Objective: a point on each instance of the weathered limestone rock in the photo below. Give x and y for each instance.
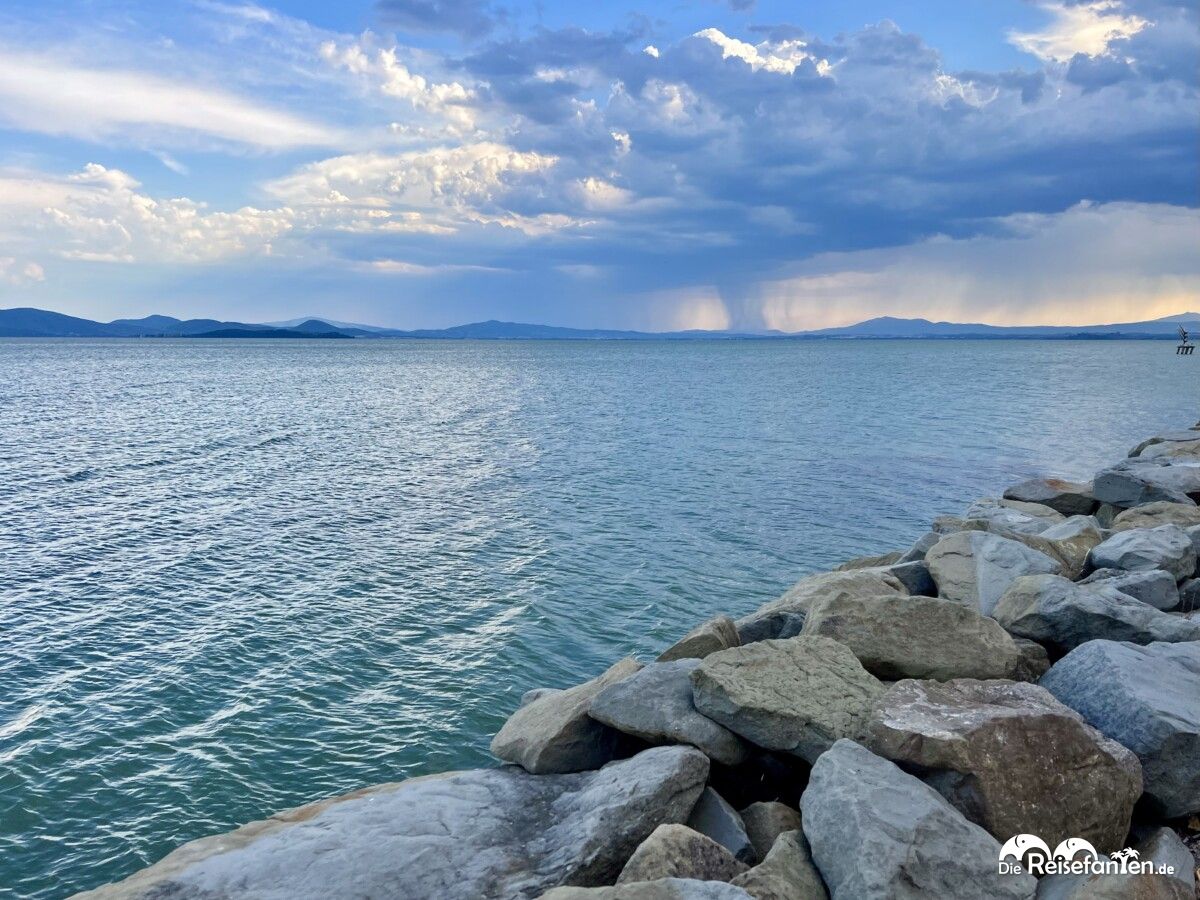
(716, 819)
(1011, 758)
(1070, 498)
(1060, 613)
(676, 851)
(1148, 699)
(1156, 588)
(878, 833)
(554, 733)
(975, 567)
(1112, 887)
(656, 705)
(663, 889)
(798, 695)
(786, 873)
(858, 583)
(766, 821)
(486, 833)
(1151, 515)
(1136, 482)
(916, 637)
(1166, 547)
(1035, 661)
(718, 633)
(770, 626)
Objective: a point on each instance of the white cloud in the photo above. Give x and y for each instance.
(19, 273)
(47, 94)
(780, 57)
(650, 50)
(1077, 28)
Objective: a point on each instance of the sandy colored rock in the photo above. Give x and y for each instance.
(676, 851)
(767, 820)
(787, 872)
(1152, 515)
(855, 583)
(718, 633)
(1070, 498)
(976, 567)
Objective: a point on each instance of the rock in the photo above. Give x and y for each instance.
(858, 583)
(716, 819)
(1165, 547)
(917, 551)
(1069, 543)
(1011, 758)
(1152, 515)
(1013, 515)
(770, 626)
(798, 695)
(1071, 498)
(460, 836)
(915, 577)
(1156, 588)
(663, 889)
(676, 851)
(1148, 699)
(766, 775)
(878, 833)
(1163, 847)
(1112, 887)
(1189, 596)
(1137, 482)
(916, 637)
(536, 694)
(1035, 661)
(870, 562)
(975, 567)
(718, 633)
(554, 733)
(1056, 612)
(1106, 513)
(787, 872)
(1167, 437)
(656, 705)
(765, 822)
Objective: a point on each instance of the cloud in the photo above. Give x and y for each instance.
(1078, 28)
(46, 94)
(466, 18)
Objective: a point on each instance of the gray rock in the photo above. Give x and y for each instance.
(676, 851)
(1148, 699)
(1181, 436)
(1156, 588)
(767, 820)
(1035, 661)
(1189, 597)
(1166, 547)
(663, 889)
(1013, 515)
(715, 818)
(1070, 543)
(915, 577)
(1106, 514)
(923, 545)
(975, 567)
(870, 562)
(1112, 887)
(798, 695)
(718, 633)
(554, 733)
(1056, 612)
(857, 583)
(487, 833)
(1070, 498)
(1137, 482)
(878, 833)
(656, 705)
(770, 626)
(1163, 847)
(916, 637)
(787, 872)
(1011, 758)
(536, 694)
(1151, 515)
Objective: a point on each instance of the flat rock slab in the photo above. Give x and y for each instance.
(663, 889)
(1166, 547)
(916, 637)
(1156, 588)
(798, 695)
(787, 872)
(1070, 498)
(975, 567)
(718, 633)
(1060, 613)
(676, 851)
(765, 821)
(1148, 699)
(554, 734)
(1011, 758)
(656, 705)
(485, 833)
(878, 833)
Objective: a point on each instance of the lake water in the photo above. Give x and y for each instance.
(236, 576)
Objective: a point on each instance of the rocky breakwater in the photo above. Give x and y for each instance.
(1020, 685)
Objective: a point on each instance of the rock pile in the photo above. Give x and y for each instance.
(1019, 686)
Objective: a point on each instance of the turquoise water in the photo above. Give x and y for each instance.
(238, 576)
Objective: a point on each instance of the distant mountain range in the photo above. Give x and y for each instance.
(28, 322)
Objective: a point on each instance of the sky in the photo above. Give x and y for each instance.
(713, 164)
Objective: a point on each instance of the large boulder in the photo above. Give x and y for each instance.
(1070, 498)
(555, 734)
(656, 705)
(1151, 515)
(770, 626)
(798, 695)
(976, 567)
(767, 820)
(855, 583)
(1148, 699)
(1166, 547)
(1135, 482)
(1113, 887)
(1156, 587)
(916, 637)
(1011, 758)
(1185, 436)
(1060, 613)
(486, 833)
(662, 889)
(676, 851)
(870, 562)
(1163, 848)
(713, 817)
(1013, 515)
(718, 633)
(1069, 543)
(878, 833)
(787, 872)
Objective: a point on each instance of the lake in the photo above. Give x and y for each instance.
(236, 576)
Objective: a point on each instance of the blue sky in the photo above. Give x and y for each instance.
(701, 164)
